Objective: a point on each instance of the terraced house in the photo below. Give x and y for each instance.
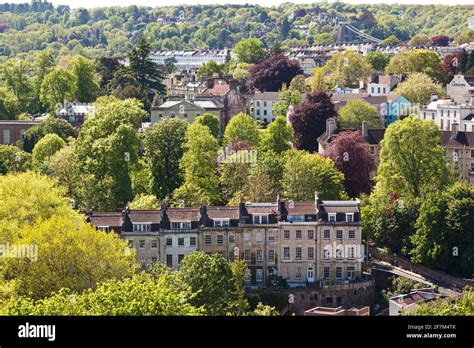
(303, 242)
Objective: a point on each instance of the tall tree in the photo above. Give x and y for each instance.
(164, 148)
(357, 111)
(56, 88)
(413, 61)
(278, 136)
(85, 85)
(273, 72)
(347, 68)
(199, 166)
(353, 160)
(418, 88)
(250, 51)
(52, 125)
(45, 149)
(309, 120)
(242, 127)
(13, 159)
(108, 146)
(305, 173)
(211, 121)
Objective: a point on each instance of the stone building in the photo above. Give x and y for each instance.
(303, 242)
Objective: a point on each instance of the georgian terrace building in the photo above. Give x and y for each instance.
(303, 242)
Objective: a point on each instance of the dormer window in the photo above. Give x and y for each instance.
(181, 225)
(350, 217)
(143, 227)
(332, 217)
(260, 219)
(221, 223)
(105, 229)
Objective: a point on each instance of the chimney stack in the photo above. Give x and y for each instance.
(331, 126)
(365, 129)
(454, 130)
(434, 97)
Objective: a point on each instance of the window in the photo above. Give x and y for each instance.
(6, 136)
(327, 252)
(247, 237)
(169, 242)
(339, 252)
(231, 238)
(326, 272)
(169, 260)
(271, 255)
(259, 255)
(142, 244)
(351, 252)
(350, 272)
(298, 253)
(154, 244)
(180, 258)
(208, 239)
(220, 239)
(327, 234)
(338, 234)
(338, 272)
(265, 103)
(248, 276)
(472, 153)
(298, 273)
(352, 234)
(181, 225)
(105, 229)
(221, 223)
(286, 234)
(310, 253)
(310, 273)
(271, 238)
(231, 256)
(259, 237)
(141, 227)
(286, 253)
(298, 234)
(260, 219)
(259, 275)
(247, 255)
(192, 241)
(180, 241)
(310, 234)
(350, 217)
(332, 217)
(130, 243)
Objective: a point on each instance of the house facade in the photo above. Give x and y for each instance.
(459, 88)
(459, 151)
(303, 242)
(186, 110)
(12, 131)
(261, 106)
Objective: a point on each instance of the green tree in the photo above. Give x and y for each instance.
(418, 88)
(250, 51)
(378, 60)
(45, 149)
(278, 136)
(26, 198)
(445, 231)
(164, 148)
(242, 128)
(452, 306)
(412, 161)
(413, 61)
(210, 68)
(16, 75)
(287, 97)
(51, 125)
(13, 159)
(145, 202)
(321, 80)
(199, 166)
(9, 104)
(71, 254)
(63, 167)
(211, 121)
(212, 279)
(347, 68)
(142, 294)
(108, 146)
(85, 85)
(57, 86)
(305, 173)
(355, 112)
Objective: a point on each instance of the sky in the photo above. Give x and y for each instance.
(155, 3)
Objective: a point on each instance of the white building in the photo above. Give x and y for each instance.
(261, 106)
(459, 88)
(189, 60)
(406, 302)
(445, 112)
(382, 84)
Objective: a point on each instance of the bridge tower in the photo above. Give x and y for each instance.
(344, 34)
